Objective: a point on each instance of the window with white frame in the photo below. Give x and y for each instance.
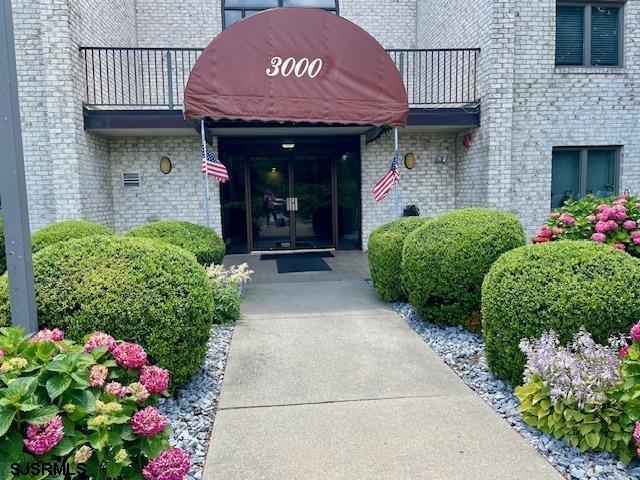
(589, 34)
(577, 172)
(235, 10)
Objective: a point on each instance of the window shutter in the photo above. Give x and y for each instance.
(604, 35)
(569, 35)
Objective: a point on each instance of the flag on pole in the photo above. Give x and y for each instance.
(213, 167)
(384, 186)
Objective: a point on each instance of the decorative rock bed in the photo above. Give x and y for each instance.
(463, 351)
(192, 411)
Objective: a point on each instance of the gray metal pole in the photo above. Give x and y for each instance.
(13, 190)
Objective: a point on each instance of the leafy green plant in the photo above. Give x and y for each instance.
(613, 221)
(445, 261)
(385, 256)
(84, 406)
(136, 289)
(203, 242)
(3, 259)
(560, 286)
(226, 285)
(67, 230)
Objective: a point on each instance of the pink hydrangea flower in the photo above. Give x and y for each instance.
(156, 379)
(599, 237)
(635, 332)
(619, 213)
(567, 219)
(602, 207)
(612, 226)
(624, 351)
(620, 246)
(636, 434)
(54, 335)
(169, 465)
(629, 225)
(602, 227)
(99, 339)
(2, 353)
(98, 375)
(545, 232)
(43, 438)
(591, 218)
(130, 355)
(148, 422)
(636, 240)
(557, 231)
(116, 388)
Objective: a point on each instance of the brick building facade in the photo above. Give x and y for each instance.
(529, 108)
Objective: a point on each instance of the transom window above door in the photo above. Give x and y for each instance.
(234, 10)
(589, 34)
(577, 172)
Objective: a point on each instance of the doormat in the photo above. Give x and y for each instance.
(300, 262)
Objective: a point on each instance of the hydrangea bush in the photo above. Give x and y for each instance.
(614, 221)
(91, 405)
(585, 393)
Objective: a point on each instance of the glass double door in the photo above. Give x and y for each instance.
(292, 201)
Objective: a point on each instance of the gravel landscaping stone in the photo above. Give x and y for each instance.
(463, 351)
(192, 410)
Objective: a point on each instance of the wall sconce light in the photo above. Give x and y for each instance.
(409, 160)
(165, 165)
(442, 159)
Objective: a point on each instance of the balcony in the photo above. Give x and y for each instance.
(129, 87)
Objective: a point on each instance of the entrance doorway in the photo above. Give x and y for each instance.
(287, 194)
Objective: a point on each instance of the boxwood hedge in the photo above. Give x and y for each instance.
(62, 231)
(138, 290)
(203, 242)
(444, 262)
(560, 286)
(385, 256)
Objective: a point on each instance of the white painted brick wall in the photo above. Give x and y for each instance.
(176, 196)
(429, 185)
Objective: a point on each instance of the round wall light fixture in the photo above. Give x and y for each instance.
(409, 160)
(165, 165)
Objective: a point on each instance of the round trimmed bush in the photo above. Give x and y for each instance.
(445, 261)
(561, 286)
(385, 256)
(135, 289)
(67, 230)
(203, 242)
(3, 259)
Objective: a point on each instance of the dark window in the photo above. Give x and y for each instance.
(234, 10)
(577, 172)
(588, 34)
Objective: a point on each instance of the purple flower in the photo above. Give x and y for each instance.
(116, 388)
(54, 335)
(612, 226)
(169, 465)
(99, 339)
(624, 351)
(43, 438)
(620, 246)
(148, 422)
(602, 227)
(545, 232)
(599, 237)
(629, 225)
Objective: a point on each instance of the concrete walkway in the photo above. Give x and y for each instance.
(324, 381)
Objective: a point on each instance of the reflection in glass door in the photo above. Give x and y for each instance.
(313, 200)
(269, 193)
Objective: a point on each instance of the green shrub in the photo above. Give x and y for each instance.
(3, 259)
(67, 230)
(226, 286)
(385, 256)
(444, 262)
(137, 290)
(560, 286)
(203, 242)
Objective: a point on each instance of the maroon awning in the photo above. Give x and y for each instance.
(296, 64)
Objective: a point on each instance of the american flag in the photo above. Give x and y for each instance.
(214, 167)
(384, 186)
